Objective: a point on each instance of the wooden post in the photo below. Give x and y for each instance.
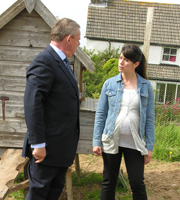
(147, 36)
(69, 184)
(26, 178)
(77, 165)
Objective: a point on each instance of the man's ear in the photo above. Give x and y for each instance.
(68, 38)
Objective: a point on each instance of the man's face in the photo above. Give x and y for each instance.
(74, 42)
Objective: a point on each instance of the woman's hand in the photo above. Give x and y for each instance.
(147, 158)
(97, 151)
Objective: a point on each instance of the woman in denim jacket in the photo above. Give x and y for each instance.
(124, 124)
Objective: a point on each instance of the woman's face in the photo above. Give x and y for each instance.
(126, 65)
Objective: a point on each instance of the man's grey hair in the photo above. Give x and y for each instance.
(64, 27)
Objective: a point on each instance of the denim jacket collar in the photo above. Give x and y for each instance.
(140, 79)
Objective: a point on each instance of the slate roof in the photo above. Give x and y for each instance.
(163, 72)
(124, 21)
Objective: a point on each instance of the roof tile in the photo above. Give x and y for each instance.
(125, 21)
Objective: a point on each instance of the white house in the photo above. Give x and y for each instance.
(113, 23)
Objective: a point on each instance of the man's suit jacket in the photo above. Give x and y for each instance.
(51, 105)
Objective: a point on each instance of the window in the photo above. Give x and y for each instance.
(167, 92)
(160, 92)
(169, 54)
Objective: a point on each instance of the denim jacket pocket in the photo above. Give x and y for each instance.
(144, 98)
(111, 95)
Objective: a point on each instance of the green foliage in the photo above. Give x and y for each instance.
(168, 112)
(122, 192)
(19, 195)
(110, 68)
(119, 185)
(86, 178)
(167, 132)
(94, 195)
(106, 66)
(167, 140)
(92, 178)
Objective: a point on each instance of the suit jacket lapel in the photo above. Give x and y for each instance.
(63, 66)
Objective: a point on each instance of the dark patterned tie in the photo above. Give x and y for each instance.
(66, 61)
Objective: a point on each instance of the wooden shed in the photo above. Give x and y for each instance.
(24, 32)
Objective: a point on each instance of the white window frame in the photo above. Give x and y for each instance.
(165, 92)
(169, 62)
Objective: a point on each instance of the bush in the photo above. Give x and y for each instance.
(168, 113)
(106, 66)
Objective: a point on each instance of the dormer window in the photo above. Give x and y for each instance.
(169, 55)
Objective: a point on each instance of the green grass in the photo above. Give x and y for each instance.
(90, 179)
(177, 128)
(19, 195)
(167, 140)
(86, 178)
(94, 195)
(167, 148)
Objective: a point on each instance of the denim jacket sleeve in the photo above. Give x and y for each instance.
(150, 117)
(100, 117)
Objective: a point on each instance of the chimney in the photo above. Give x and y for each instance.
(99, 3)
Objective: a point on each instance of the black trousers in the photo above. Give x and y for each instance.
(135, 168)
(45, 182)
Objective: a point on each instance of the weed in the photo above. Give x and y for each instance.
(94, 195)
(167, 140)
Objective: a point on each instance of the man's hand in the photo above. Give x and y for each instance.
(97, 151)
(39, 154)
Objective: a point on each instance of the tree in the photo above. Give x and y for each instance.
(110, 69)
(106, 66)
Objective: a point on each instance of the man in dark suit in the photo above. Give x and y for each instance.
(51, 105)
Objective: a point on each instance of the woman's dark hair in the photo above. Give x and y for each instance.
(134, 53)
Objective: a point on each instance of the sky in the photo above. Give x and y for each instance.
(73, 9)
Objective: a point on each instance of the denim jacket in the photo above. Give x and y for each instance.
(109, 106)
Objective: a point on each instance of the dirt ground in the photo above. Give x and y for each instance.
(162, 179)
